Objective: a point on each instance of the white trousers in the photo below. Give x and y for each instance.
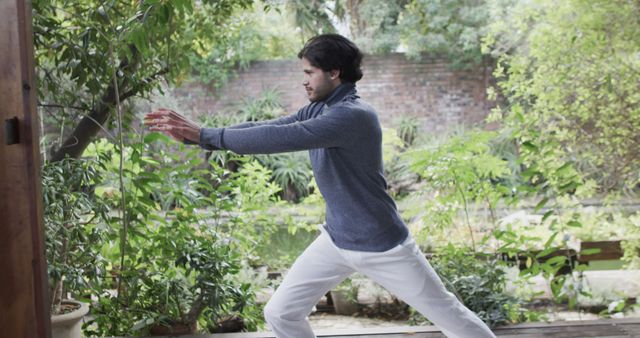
(402, 270)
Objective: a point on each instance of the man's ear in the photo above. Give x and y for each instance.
(334, 74)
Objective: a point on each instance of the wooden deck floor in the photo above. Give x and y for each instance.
(613, 328)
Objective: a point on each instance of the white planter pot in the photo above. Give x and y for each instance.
(69, 325)
(342, 304)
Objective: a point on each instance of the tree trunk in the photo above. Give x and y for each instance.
(91, 124)
(87, 128)
(196, 308)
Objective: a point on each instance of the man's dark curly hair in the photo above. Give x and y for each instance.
(334, 51)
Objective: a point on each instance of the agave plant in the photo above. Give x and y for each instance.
(265, 107)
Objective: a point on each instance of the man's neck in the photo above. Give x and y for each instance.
(338, 93)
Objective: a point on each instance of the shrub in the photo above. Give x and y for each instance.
(74, 228)
(480, 284)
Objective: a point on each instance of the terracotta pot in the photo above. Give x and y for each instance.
(69, 325)
(173, 329)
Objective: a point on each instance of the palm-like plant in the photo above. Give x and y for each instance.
(408, 130)
(265, 107)
(291, 171)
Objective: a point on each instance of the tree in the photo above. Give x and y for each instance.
(312, 17)
(570, 74)
(91, 55)
(450, 28)
(446, 28)
(374, 25)
(261, 33)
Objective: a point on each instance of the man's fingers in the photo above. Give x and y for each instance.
(173, 124)
(159, 113)
(152, 116)
(164, 112)
(163, 115)
(163, 119)
(162, 127)
(178, 130)
(177, 116)
(169, 113)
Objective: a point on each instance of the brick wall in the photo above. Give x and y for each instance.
(428, 89)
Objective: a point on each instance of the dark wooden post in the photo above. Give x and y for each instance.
(24, 311)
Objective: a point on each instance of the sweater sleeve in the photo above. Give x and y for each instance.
(277, 121)
(334, 128)
(206, 143)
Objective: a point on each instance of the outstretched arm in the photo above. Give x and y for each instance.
(184, 130)
(331, 129)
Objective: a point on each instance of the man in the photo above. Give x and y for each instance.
(363, 231)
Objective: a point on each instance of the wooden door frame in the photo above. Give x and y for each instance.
(24, 310)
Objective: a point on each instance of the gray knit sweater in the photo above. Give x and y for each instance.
(344, 139)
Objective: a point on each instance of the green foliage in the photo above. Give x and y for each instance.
(349, 289)
(74, 221)
(408, 130)
(250, 176)
(480, 284)
(400, 179)
(76, 40)
(451, 28)
(631, 242)
(88, 51)
(261, 33)
(570, 81)
(265, 107)
(617, 307)
(291, 172)
(459, 172)
(448, 28)
(392, 145)
(477, 171)
(283, 247)
(605, 223)
(192, 222)
(182, 271)
(312, 17)
(374, 24)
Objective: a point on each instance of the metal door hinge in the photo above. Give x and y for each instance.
(11, 131)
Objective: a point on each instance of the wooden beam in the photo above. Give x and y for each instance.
(609, 250)
(619, 328)
(23, 281)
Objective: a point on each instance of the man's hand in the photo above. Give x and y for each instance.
(173, 124)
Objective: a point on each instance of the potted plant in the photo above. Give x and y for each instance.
(73, 234)
(345, 297)
(182, 271)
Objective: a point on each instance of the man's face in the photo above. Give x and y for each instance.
(318, 83)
